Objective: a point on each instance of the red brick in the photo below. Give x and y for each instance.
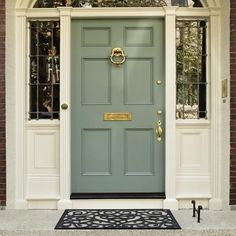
(233, 103)
(2, 106)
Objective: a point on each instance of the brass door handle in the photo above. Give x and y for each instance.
(119, 54)
(159, 131)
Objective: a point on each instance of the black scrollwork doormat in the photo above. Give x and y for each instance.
(117, 219)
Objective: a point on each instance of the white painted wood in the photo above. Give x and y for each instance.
(42, 177)
(193, 157)
(193, 186)
(39, 13)
(183, 181)
(20, 107)
(43, 151)
(192, 12)
(186, 203)
(192, 151)
(65, 115)
(170, 94)
(118, 12)
(225, 108)
(42, 204)
(215, 202)
(118, 204)
(43, 187)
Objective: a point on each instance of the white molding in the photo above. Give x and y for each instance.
(118, 12)
(42, 123)
(193, 196)
(21, 205)
(215, 72)
(192, 12)
(20, 76)
(39, 204)
(170, 94)
(171, 204)
(193, 123)
(65, 15)
(117, 204)
(64, 204)
(65, 115)
(43, 13)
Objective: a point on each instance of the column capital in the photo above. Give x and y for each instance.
(65, 11)
(170, 10)
(21, 12)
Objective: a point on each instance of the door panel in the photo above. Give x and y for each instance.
(101, 93)
(117, 156)
(138, 78)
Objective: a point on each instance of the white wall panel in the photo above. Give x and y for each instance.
(42, 178)
(193, 172)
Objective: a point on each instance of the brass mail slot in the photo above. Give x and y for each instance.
(117, 116)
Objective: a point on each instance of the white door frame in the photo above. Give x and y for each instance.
(65, 14)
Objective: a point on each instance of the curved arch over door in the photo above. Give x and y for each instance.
(31, 3)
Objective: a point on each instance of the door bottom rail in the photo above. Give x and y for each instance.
(117, 196)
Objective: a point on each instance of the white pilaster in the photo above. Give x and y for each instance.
(170, 97)
(65, 115)
(20, 91)
(215, 117)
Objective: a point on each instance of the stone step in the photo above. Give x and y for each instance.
(213, 232)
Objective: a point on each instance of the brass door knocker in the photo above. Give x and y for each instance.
(117, 56)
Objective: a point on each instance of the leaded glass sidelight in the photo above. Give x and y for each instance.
(44, 60)
(191, 83)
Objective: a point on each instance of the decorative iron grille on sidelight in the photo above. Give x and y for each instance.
(44, 59)
(191, 57)
(44, 81)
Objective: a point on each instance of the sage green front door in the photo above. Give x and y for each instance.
(114, 108)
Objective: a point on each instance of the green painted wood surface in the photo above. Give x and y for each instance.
(117, 156)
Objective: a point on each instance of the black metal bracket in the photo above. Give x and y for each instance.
(197, 210)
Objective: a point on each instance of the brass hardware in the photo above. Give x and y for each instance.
(117, 116)
(225, 88)
(158, 82)
(159, 112)
(159, 131)
(64, 106)
(117, 53)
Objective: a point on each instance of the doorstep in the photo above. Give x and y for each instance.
(42, 223)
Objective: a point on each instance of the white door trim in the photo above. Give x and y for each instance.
(65, 14)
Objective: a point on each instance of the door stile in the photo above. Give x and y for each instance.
(65, 114)
(170, 93)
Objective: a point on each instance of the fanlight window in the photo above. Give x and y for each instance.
(115, 3)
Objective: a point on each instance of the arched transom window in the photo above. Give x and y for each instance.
(116, 3)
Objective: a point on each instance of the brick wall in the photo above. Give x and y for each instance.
(233, 103)
(2, 106)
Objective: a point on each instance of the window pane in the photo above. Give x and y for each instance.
(191, 69)
(44, 62)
